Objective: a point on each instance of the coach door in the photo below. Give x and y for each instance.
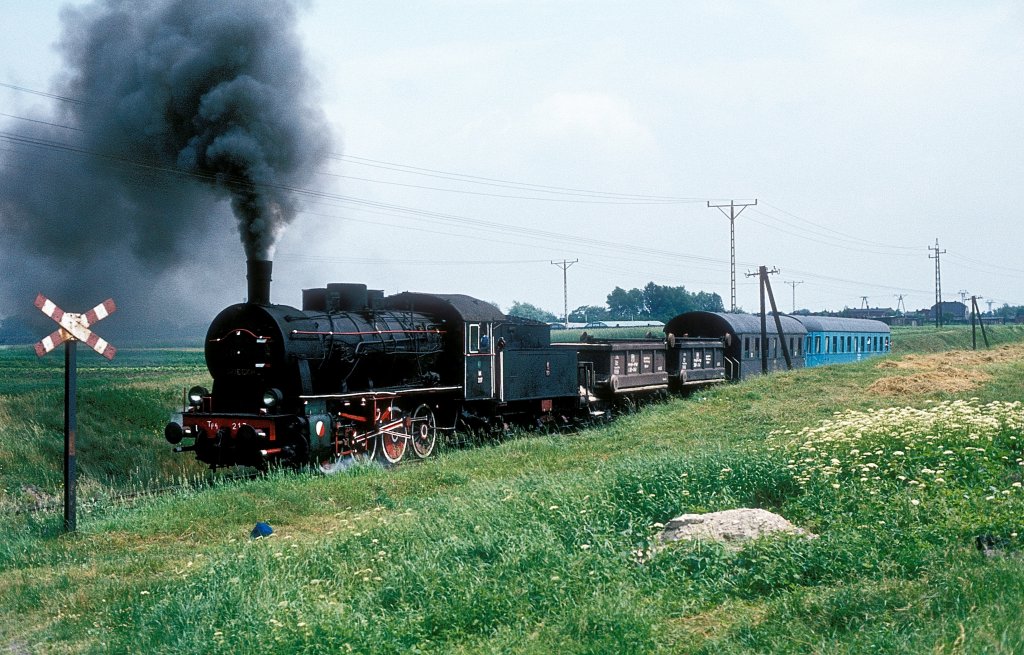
(479, 361)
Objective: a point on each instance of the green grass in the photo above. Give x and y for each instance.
(538, 544)
(122, 408)
(949, 337)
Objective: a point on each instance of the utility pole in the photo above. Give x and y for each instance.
(766, 287)
(793, 284)
(864, 302)
(564, 265)
(938, 281)
(976, 313)
(963, 295)
(732, 216)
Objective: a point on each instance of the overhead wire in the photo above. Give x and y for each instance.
(410, 211)
(824, 234)
(489, 181)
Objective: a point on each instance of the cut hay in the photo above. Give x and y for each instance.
(949, 372)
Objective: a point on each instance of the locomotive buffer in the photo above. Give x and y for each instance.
(73, 328)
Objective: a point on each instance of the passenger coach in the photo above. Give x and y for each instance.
(742, 336)
(832, 340)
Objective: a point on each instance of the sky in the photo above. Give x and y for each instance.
(472, 143)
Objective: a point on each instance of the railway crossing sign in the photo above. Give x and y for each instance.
(73, 328)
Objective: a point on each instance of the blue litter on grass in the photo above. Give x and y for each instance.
(261, 530)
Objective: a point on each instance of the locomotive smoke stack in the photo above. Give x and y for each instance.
(258, 274)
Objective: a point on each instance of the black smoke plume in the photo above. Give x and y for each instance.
(169, 109)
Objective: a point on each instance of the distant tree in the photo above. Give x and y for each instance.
(1009, 311)
(662, 303)
(708, 302)
(626, 305)
(587, 313)
(659, 302)
(526, 310)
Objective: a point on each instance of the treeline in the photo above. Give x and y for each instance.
(653, 302)
(1009, 312)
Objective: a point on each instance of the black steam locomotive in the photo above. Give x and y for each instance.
(356, 373)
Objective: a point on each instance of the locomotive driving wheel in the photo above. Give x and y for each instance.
(391, 444)
(424, 432)
(362, 451)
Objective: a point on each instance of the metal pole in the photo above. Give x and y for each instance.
(564, 265)
(70, 428)
(732, 215)
(938, 282)
(732, 260)
(793, 284)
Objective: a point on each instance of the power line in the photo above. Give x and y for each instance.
(389, 209)
(359, 204)
(490, 181)
(609, 200)
(848, 237)
(44, 94)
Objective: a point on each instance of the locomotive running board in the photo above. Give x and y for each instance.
(381, 394)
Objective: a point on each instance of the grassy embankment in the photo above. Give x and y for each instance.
(532, 545)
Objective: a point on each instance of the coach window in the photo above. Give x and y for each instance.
(887, 344)
(757, 346)
(474, 338)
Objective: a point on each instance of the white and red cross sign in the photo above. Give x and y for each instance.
(75, 326)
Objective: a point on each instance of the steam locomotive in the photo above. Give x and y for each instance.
(355, 373)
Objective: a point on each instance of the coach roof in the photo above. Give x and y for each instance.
(714, 324)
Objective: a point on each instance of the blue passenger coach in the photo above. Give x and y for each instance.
(831, 340)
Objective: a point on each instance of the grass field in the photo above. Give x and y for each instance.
(537, 544)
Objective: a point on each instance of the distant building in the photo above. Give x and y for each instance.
(950, 310)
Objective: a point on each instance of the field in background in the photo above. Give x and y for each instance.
(539, 544)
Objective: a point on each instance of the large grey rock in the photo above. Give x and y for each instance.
(731, 527)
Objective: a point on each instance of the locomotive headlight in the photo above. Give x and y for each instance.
(271, 397)
(196, 394)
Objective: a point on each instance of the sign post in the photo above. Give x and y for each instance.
(70, 428)
(73, 328)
